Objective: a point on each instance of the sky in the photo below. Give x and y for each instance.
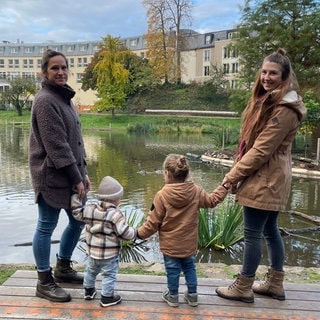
(34, 21)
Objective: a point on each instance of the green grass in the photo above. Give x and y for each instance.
(5, 274)
(104, 121)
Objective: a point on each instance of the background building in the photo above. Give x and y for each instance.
(201, 51)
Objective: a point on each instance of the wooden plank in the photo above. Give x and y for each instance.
(141, 296)
(209, 300)
(135, 278)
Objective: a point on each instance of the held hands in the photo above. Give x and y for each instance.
(232, 188)
(88, 184)
(82, 189)
(75, 201)
(226, 183)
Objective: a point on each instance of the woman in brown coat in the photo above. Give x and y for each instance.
(262, 174)
(58, 168)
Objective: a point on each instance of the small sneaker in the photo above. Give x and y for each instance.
(89, 293)
(191, 298)
(171, 299)
(109, 301)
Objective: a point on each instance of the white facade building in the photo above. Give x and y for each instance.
(200, 52)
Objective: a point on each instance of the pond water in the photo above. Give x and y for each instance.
(136, 162)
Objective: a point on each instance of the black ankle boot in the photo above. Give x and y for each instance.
(48, 289)
(65, 273)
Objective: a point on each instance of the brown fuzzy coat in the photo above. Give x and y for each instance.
(56, 149)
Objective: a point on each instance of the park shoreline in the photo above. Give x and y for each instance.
(293, 274)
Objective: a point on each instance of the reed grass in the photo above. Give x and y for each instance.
(221, 227)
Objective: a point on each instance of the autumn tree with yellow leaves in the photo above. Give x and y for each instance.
(165, 39)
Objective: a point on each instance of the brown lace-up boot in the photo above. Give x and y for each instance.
(241, 290)
(64, 272)
(272, 286)
(48, 289)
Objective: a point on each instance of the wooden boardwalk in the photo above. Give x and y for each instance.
(141, 300)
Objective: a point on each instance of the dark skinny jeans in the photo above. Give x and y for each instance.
(259, 224)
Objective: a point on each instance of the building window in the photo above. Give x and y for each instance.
(234, 84)
(234, 68)
(28, 50)
(14, 50)
(226, 68)
(13, 75)
(1, 63)
(38, 63)
(4, 88)
(2, 75)
(133, 42)
(83, 47)
(208, 39)
(80, 62)
(206, 71)
(70, 48)
(230, 35)
(10, 63)
(226, 52)
(27, 75)
(71, 62)
(79, 77)
(206, 55)
(235, 53)
(28, 63)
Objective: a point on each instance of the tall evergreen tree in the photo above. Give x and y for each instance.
(293, 25)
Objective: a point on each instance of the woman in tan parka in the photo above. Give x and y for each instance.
(262, 174)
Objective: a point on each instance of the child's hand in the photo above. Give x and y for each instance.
(75, 201)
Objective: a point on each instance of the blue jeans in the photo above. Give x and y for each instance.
(109, 268)
(260, 224)
(174, 266)
(47, 221)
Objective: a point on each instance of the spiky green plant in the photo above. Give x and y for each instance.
(221, 227)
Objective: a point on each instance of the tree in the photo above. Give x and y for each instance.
(117, 73)
(19, 92)
(214, 90)
(111, 76)
(165, 39)
(293, 25)
(311, 126)
(179, 15)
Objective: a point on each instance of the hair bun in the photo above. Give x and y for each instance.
(282, 51)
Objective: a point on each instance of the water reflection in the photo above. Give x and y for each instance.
(136, 162)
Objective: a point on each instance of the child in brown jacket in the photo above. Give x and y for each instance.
(175, 214)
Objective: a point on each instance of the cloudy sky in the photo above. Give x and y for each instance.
(77, 20)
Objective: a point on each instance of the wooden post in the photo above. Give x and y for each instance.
(318, 151)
